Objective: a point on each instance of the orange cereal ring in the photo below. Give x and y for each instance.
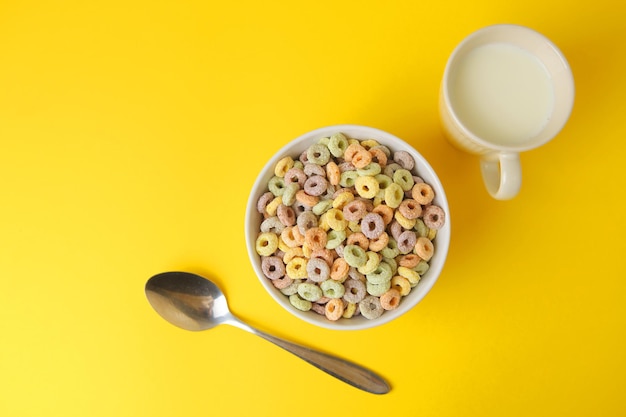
(385, 212)
(379, 156)
(361, 158)
(282, 283)
(306, 199)
(424, 248)
(410, 209)
(391, 299)
(379, 243)
(409, 261)
(422, 193)
(351, 150)
(324, 254)
(358, 239)
(333, 173)
(339, 270)
(333, 310)
(315, 238)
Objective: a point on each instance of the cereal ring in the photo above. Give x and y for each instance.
(434, 217)
(369, 143)
(395, 229)
(372, 169)
(373, 260)
(295, 175)
(431, 234)
(333, 310)
(355, 274)
(410, 209)
(354, 227)
(272, 267)
(339, 270)
(282, 283)
(306, 199)
(390, 300)
(393, 195)
(282, 166)
(420, 228)
(351, 150)
(335, 238)
(286, 215)
(315, 238)
(309, 292)
(347, 178)
(272, 224)
(392, 263)
(383, 182)
(335, 219)
(354, 255)
(333, 173)
(321, 207)
(305, 221)
(318, 308)
(318, 154)
(354, 291)
(361, 159)
(401, 284)
(422, 193)
(422, 267)
(424, 248)
(317, 270)
(385, 212)
(299, 303)
(289, 195)
(264, 201)
(412, 276)
(348, 310)
(342, 198)
(391, 251)
(404, 159)
(354, 210)
(390, 169)
(404, 222)
(381, 274)
(324, 254)
(377, 244)
(266, 244)
(346, 166)
(296, 268)
(332, 289)
(404, 179)
(359, 239)
(276, 185)
(410, 261)
(337, 144)
(291, 288)
(378, 156)
(372, 225)
(370, 308)
(291, 253)
(406, 241)
(315, 185)
(312, 169)
(377, 289)
(366, 187)
(303, 159)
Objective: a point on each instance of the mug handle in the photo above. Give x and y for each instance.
(502, 174)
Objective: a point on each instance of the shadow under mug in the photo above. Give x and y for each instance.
(499, 160)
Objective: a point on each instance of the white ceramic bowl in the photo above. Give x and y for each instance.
(423, 169)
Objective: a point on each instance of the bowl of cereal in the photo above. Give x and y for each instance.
(347, 227)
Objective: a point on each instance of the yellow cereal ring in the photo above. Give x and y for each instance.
(404, 222)
(266, 244)
(292, 253)
(342, 199)
(424, 248)
(412, 276)
(306, 250)
(401, 284)
(366, 186)
(369, 143)
(373, 260)
(296, 268)
(282, 245)
(354, 227)
(394, 195)
(272, 206)
(349, 310)
(335, 219)
(283, 166)
(432, 233)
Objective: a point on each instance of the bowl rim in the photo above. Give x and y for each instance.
(442, 240)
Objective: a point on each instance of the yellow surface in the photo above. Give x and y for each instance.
(131, 133)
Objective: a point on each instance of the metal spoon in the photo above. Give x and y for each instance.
(194, 303)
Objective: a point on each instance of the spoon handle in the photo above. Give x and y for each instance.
(346, 371)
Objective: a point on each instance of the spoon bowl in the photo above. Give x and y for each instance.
(194, 303)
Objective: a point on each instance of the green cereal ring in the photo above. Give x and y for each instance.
(372, 169)
(298, 165)
(384, 181)
(324, 141)
(391, 251)
(335, 238)
(321, 207)
(309, 292)
(318, 154)
(392, 263)
(289, 194)
(394, 194)
(420, 228)
(347, 178)
(391, 168)
(276, 186)
(370, 307)
(381, 274)
(404, 179)
(299, 303)
(373, 260)
(354, 255)
(267, 243)
(377, 289)
(421, 267)
(332, 289)
(337, 144)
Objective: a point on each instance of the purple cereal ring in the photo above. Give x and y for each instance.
(306, 221)
(318, 308)
(406, 241)
(315, 185)
(434, 217)
(264, 201)
(346, 166)
(303, 158)
(355, 290)
(372, 225)
(272, 267)
(300, 208)
(354, 210)
(283, 282)
(317, 269)
(295, 175)
(286, 215)
(355, 274)
(314, 169)
(395, 229)
(404, 159)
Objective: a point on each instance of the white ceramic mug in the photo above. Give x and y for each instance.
(506, 89)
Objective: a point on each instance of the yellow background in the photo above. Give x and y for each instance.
(131, 133)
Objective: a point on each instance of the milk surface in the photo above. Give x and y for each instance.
(501, 93)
